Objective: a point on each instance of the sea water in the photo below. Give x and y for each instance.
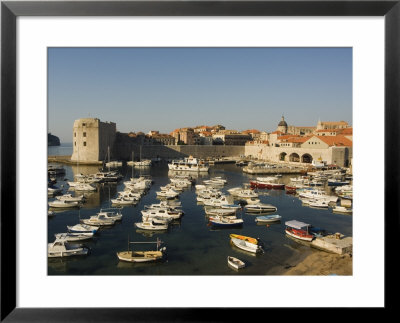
(193, 247)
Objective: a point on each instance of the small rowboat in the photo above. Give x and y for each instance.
(235, 263)
(220, 212)
(225, 222)
(268, 218)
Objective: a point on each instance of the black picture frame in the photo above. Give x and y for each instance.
(10, 10)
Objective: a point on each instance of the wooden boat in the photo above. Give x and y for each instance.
(235, 262)
(299, 230)
(225, 222)
(219, 211)
(268, 218)
(260, 208)
(142, 256)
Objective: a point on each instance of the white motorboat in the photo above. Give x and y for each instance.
(317, 194)
(150, 225)
(164, 213)
(83, 228)
(252, 200)
(246, 245)
(98, 220)
(51, 190)
(235, 262)
(168, 194)
(61, 248)
(189, 164)
(156, 219)
(217, 202)
(70, 198)
(319, 203)
(111, 213)
(120, 200)
(260, 208)
(84, 187)
(114, 164)
(74, 236)
(245, 194)
(63, 204)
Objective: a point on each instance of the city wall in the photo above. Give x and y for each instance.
(124, 151)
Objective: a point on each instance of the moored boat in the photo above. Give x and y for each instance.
(72, 236)
(299, 230)
(79, 228)
(260, 208)
(235, 262)
(246, 243)
(142, 256)
(268, 218)
(225, 222)
(61, 248)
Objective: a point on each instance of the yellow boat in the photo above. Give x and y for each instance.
(248, 239)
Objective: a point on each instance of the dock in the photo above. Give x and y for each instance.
(334, 243)
(277, 170)
(67, 160)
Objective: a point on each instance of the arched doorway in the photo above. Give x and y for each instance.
(294, 158)
(282, 156)
(306, 158)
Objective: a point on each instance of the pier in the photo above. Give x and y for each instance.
(276, 170)
(335, 243)
(67, 160)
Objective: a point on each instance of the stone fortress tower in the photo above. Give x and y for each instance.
(282, 126)
(92, 139)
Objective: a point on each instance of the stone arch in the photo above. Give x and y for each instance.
(282, 156)
(306, 158)
(294, 157)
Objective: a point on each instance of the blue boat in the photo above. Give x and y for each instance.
(225, 222)
(268, 218)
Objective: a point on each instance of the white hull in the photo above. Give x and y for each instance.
(247, 246)
(235, 263)
(151, 227)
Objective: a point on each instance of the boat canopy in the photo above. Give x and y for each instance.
(296, 224)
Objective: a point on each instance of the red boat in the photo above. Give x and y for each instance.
(290, 189)
(268, 185)
(298, 230)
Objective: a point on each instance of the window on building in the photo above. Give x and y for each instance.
(84, 143)
(83, 124)
(74, 134)
(75, 143)
(84, 134)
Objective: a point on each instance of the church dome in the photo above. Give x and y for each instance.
(282, 123)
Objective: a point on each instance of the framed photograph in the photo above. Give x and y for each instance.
(245, 111)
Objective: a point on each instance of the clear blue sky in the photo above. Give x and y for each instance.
(143, 89)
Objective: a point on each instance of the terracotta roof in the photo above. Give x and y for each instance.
(328, 130)
(276, 132)
(334, 122)
(251, 131)
(346, 131)
(339, 140)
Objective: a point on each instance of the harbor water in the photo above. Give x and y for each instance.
(192, 246)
